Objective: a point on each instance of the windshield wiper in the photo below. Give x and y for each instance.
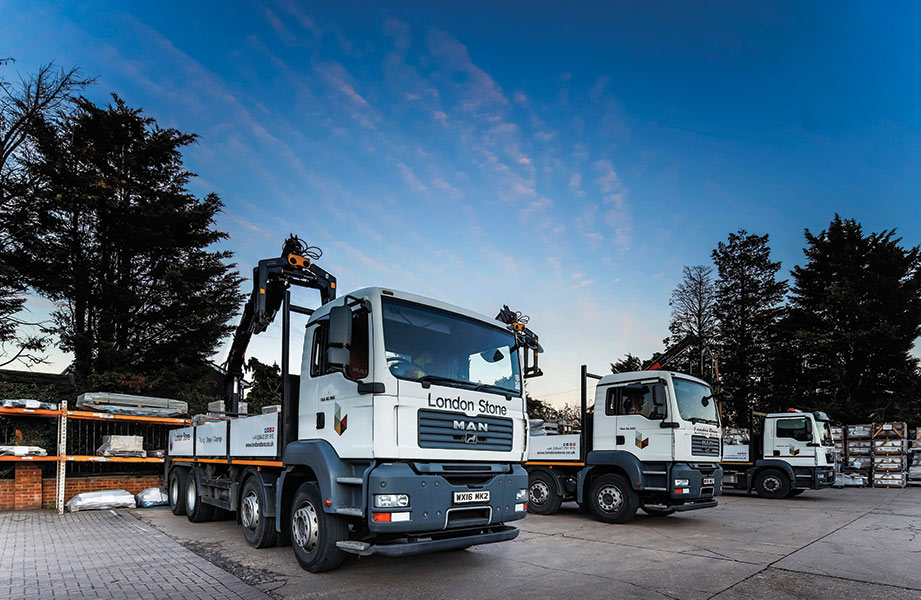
(490, 387)
(429, 379)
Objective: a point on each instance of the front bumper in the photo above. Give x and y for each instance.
(431, 488)
(454, 541)
(814, 478)
(697, 490)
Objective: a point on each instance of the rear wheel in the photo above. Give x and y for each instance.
(176, 489)
(542, 496)
(196, 510)
(612, 500)
(258, 529)
(772, 483)
(314, 533)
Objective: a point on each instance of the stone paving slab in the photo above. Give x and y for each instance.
(103, 554)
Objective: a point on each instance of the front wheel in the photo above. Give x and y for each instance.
(314, 533)
(772, 483)
(612, 500)
(542, 496)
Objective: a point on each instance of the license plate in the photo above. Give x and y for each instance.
(709, 480)
(464, 497)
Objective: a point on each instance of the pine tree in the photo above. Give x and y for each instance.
(124, 249)
(855, 314)
(626, 364)
(748, 306)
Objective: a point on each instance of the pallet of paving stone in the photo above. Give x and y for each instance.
(890, 430)
(859, 447)
(889, 446)
(893, 462)
(882, 479)
(855, 432)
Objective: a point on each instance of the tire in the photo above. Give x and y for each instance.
(793, 493)
(772, 483)
(258, 529)
(542, 496)
(176, 490)
(612, 499)
(314, 533)
(196, 510)
(658, 512)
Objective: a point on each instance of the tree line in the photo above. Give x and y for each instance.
(836, 336)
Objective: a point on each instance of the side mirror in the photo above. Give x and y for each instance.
(340, 336)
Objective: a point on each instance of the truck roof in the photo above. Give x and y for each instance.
(633, 375)
(373, 292)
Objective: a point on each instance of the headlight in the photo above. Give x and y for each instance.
(390, 500)
(681, 482)
(522, 495)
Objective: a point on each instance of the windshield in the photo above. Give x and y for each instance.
(695, 401)
(426, 344)
(825, 432)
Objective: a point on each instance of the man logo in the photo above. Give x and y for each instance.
(341, 421)
(641, 442)
(470, 426)
(470, 438)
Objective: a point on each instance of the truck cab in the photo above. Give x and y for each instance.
(651, 440)
(787, 453)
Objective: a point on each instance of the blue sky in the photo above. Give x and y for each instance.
(565, 160)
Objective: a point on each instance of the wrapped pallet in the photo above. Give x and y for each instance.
(890, 454)
(122, 445)
(889, 479)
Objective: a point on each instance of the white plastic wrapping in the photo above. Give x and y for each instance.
(129, 404)
(27, 403)
(152, 496)
(101, 500)
(22, 451)
(122, 445)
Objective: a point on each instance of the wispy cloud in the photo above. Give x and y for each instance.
(409, 176)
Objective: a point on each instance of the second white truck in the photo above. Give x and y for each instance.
(786, 454)
(651, 441)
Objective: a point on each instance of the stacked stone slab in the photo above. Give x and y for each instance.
(859, 450)
(914, 457)
(890, 454)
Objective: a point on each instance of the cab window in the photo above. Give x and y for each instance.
(359, 348)
(796, 429)
(636, 399)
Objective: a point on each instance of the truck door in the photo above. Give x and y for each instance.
(639, 408)
(792, 436)
(331, 408)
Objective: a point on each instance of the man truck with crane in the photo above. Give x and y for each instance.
(651, 440)
(404, 432)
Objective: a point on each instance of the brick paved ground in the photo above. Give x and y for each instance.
(103, 554)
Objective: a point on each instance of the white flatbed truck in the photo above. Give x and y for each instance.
(651, 441)
(787, 454)
(404, 433)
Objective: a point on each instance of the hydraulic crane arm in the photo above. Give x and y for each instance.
(525, 338)
(272, 279)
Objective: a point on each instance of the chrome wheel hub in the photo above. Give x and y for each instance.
(249, 511)
(305, 528)
(610, 499)
(771, 484)
(539, 493)
(191, 495)
(174, 492)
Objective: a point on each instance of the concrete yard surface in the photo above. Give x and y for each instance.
(826, 544)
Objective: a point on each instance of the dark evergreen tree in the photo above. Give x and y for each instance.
(855, 314)
(626, 364)
(266, 388)
(124, 248)
(24, 104)
(748, 306)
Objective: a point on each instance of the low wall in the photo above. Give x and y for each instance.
(28, 491)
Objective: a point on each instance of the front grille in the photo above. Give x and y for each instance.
(704, 446)
(457, 431)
